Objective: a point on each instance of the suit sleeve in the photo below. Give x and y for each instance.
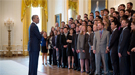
(78, 43)
(113, 39)
(108, 37)
(132, 44)
(91, 39)
(53, 41)
(37, 33)
(94, 42)
(126, 34)
(57, 45)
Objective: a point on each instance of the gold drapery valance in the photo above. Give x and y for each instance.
(73, 4)
(34, 3)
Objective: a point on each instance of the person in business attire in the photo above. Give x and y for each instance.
(59, 47)
(100, 43)
(86, 51)
(113, 48)
(54, 42)
(74, 47)
(34, 45)
(64, 45)
(50, 47)
(129, 7)
(44, 46)
(123, 48)
(69, 48)
(131, 51)
(80, 46)
(90, 42)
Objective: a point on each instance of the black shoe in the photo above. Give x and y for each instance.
(63, 66)
(78, 69)
(45, 63)
(75, 68)
(88, 72)
(91, 73)
(42, 63)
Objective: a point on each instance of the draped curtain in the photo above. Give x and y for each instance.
(74, 6)
(26, 17)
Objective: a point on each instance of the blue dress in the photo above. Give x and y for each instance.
(43, 45)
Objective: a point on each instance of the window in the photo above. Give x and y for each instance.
(37, 11)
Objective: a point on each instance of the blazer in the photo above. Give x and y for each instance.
(132, 43)
(114, 41)
(74, 44)
(64, 40)
(58, 45)
(124, 42)
(54, 40)
(100, 44)
(90, 41)
(34, 38)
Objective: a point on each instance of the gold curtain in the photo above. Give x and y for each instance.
(26, 17)
(73, 5)
(89, 7)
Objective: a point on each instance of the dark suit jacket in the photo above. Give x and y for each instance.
(64, 40)
(124, 42)
(53, 41)
(90, 41)
(132, 43)
(59, 45)
(113, 42)
(74, 44)
(34, 38)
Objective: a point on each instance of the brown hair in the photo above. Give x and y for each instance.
(107, 21)
(82, 28)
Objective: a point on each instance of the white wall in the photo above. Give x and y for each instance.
(0, 23)
(11, 9)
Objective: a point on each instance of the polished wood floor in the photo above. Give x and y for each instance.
(46, 69)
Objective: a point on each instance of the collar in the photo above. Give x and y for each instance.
(101, 30)
(114, 29)
(34, 23)
(129, 18)
(124, 28)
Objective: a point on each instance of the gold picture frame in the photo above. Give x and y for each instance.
(58, 19)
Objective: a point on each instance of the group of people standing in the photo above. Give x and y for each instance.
(90, 45)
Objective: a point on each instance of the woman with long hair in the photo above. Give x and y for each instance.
(44, 50)
(80, 47)
(50, 47)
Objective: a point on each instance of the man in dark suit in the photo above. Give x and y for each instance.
(59, 47)
(74, 48)
(113, 48)
(64, 45)
(54, 42)
(34, 45)
(123, 47)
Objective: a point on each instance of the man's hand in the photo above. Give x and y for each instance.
(128, 52)
(119, 54)
(57, 49)
(41, 32)
(91, 47)
(106, 51)
(78, 51)
(73, 49)
(83, 51)
(94, 51)
(65, 46)
(133, 49)
(54, 47)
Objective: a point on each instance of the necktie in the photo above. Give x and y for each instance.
(100, 34)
